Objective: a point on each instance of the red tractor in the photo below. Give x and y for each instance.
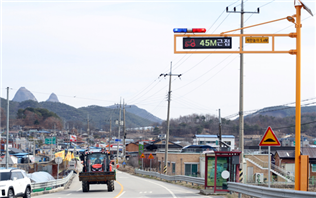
(96, 170)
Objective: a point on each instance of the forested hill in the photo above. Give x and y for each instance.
(188, 126)
(282, 111)
(99, 116)
(140, 112)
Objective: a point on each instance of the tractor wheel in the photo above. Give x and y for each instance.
(85, 186)
(110, 185)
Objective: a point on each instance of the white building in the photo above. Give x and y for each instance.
(213, 140)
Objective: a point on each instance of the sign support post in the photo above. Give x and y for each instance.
(269, 165)
(269, 139)
(298, 99)
(150, 157)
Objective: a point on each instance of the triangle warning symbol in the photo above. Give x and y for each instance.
(269, 139)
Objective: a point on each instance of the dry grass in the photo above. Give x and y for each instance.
(127, 169)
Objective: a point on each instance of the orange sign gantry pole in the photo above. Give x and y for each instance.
(298, 26)
(299, 185)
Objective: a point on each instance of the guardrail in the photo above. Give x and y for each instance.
(53, 183)
(263, 192)
(193, 180)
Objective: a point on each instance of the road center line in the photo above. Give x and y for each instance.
(120, 193)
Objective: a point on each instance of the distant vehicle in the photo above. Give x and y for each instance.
(96, 170)
(14, 183)
(197, 149)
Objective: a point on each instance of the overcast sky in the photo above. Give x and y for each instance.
(94, 53)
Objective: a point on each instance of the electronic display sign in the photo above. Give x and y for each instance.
(207, 42)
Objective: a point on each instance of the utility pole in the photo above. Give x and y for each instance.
(88, 133)
(55, 133)
(7, 143)
(34, 148)
(119, 131)
(109, 139)
(241, 86)
(220, 130)
(168, 123)
(124, 134)
(110, 133)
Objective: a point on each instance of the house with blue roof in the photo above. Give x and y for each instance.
(213, 140)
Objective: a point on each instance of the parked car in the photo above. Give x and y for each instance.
(14, 183)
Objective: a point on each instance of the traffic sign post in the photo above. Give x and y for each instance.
(58, 161)
(269, 139)
(298, 6)
(142, 156)
(150, 157)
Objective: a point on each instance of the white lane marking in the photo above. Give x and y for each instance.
(79, 189)
(150, 192)
(140, 192)
(158, 185)
(122, 177)
(68, 194)
(121, 194)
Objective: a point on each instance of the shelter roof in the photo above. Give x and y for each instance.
(213, 136)
(310, 151)
(15, 150)
(286, 154)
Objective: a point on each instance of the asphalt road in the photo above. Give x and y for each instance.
(129, 186)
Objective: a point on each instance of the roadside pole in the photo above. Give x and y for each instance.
(142, 163)
(34, 149)
(168, 123)
(168, 115)
(220, 130)
(269, 165)
(124, 134)
(150, 165)
(7, 143)
(298, 100)
(119, 131)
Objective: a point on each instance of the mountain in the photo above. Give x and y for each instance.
(282, 111)
(23, 94)
(140, 112)
(99, 116)
(52, 98)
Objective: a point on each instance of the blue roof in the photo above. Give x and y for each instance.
(214, 136)
(20, 154)
(43, 132)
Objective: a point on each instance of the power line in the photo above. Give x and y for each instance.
(140, 95)
(266, 4)
(282, 107)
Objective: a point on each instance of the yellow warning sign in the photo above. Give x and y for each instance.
(269, 139)
(257, 39)
(151, 156)
(142, 156)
